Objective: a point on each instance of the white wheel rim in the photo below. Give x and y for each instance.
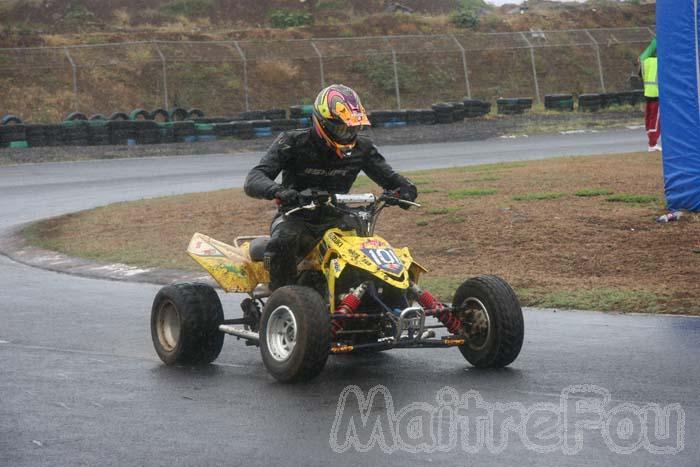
(480, 307)
(281, 333)
(168, 326)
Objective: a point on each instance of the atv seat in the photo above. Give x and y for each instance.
(257, 248)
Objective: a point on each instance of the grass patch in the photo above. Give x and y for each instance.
(493, 167)
(537, 196)
(633, 199)
(426, 191)
(482, 179)
(603, 299)
(422, 223)
(459, 194)
(443, 210)
(421, 181)
(587, 192)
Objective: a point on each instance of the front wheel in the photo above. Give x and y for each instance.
(185, 322)
(492, 321)
(295, 336)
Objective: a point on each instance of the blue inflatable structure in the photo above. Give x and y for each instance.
(678, 47)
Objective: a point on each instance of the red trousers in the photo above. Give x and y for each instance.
(652, 122)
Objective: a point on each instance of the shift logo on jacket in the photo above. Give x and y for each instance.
(327, 172)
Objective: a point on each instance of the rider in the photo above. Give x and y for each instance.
(326, 157)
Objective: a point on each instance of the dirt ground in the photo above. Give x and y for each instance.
(575, 232)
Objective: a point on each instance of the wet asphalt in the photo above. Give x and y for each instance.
(81, 385)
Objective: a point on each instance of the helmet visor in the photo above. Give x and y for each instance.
(340, 132)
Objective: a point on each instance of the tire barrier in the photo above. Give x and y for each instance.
(10, 120)
(559, 102)
(476, 108)
(300, 111)
(98, 132)
(444, 112)
(513, 106)
(119, 116)
(458, 111)
(12, 135)
(159, 115)
(139, 114)
(178, 114)
(590, 102)
(180, 125)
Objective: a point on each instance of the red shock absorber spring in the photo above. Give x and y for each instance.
(347, 306)
(445, 316)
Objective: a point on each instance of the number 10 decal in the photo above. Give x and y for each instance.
(385, 258)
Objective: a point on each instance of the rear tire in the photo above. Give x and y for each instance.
(493, 302)
(295, 334)
(185, 322)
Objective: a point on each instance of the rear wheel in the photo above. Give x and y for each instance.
(185, 322)
(492, 321)
(295, 336)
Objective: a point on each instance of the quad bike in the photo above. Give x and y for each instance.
(355, 293)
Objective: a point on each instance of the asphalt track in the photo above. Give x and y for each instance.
(81, 385)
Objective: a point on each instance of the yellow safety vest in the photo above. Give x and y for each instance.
(650, 76)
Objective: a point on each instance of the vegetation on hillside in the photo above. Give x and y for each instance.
(63, 22)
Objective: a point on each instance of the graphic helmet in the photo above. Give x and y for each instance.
(338, 116)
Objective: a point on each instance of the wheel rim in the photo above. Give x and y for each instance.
(168, 326)
(281, 333)
(478, 326)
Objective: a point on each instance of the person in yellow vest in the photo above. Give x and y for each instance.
(649, 73)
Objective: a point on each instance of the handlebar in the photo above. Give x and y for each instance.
(320, 198)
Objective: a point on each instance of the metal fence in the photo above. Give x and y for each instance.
(226, 77)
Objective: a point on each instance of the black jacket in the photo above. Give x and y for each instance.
(306, 162)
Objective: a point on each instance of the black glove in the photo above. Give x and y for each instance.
(408, 192)
(287, 197)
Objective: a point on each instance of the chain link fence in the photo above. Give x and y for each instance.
(391, 72)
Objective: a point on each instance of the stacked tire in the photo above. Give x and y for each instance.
(476, 108)
(98, 132)
(76, 133)
(36, 135)
(122, 131)
(559, 102)
(300, 111)
(631, 97)
(183, 131)
(147, 132)
(10, 134)
(243, 130)
(444, 112)
(590, 102)
(513, 106)
(458, 111)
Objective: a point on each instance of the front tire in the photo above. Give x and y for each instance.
(185, 322)
(295, 334)
(493, 322)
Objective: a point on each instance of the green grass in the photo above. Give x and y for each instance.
(588, 192)
(425, 191)
(421, 181)
(492, 167)
(482, 179)
(459, 194)
(633, 199)
(422, 223)
(538, 196)
(604, 299)
(438, 211)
